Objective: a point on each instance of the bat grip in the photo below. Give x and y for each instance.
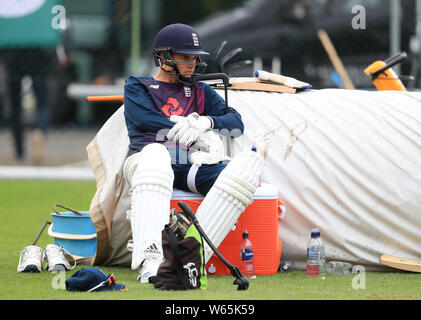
(391, 62)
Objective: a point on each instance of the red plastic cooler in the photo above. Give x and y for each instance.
(261, 220)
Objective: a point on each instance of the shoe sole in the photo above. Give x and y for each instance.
(145, 277)
(31, 268)
(58, 267)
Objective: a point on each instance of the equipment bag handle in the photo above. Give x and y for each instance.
(61, 206)
(240, 280)
(211, 76)
(40, 232)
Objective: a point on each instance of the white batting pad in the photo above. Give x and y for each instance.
(151, 185)
(231, 193)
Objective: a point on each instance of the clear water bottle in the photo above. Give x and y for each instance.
(322, 257)
(316, 259)
(339, 268)
(247, 255)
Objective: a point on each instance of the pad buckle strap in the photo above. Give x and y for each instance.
(191, 177)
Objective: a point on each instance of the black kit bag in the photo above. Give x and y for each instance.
(184, 262)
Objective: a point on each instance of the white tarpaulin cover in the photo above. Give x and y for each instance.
(348, 162)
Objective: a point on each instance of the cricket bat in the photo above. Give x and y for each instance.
(253, 84)
(401, 263)
(334, 58)
(286, 81)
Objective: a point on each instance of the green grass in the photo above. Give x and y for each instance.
(26, 205)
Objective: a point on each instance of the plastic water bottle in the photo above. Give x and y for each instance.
(315, 255)
(339, 268)
(247, 256)
(322, 257)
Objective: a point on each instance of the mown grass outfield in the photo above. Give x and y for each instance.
(26, 205)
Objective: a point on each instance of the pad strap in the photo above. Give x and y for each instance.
(191, 177)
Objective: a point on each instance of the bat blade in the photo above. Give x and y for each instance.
(401, 263)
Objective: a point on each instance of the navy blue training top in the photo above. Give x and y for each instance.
(148, 105)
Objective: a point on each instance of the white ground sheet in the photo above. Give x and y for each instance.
(348, 162)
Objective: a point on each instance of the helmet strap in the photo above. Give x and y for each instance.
(177, 75)
(163, 57)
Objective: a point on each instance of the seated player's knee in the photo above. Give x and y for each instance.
(151, 166)
(151, 177)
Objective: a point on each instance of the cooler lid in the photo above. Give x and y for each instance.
(265, 191)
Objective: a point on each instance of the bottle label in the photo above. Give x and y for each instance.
(313, 253)
(322, 253)
(313, 270)
(249, 269)
(247, 254)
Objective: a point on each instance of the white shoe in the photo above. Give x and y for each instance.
(56, 260)
(148, 268)
(30, 259)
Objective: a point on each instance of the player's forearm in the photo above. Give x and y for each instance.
(229, 124)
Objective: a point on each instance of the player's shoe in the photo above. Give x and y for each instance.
(30, 259)
(148, 269)
(56, 260)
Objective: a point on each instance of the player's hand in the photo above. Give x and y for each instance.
(209, 142)
(187, 130)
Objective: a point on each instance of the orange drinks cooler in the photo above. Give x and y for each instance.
(261, 220)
